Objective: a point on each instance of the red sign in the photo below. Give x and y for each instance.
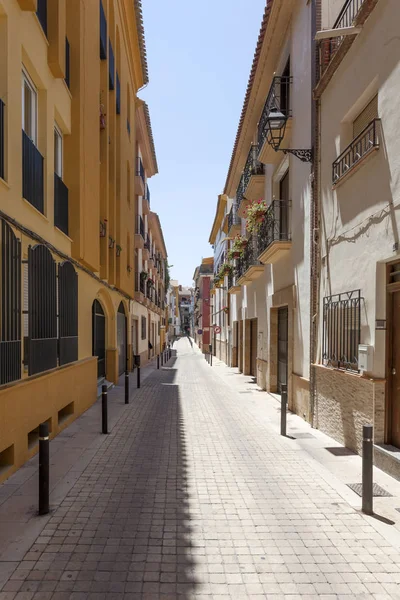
(217, 329)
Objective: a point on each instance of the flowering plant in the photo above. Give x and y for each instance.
(238, 246)
(255, 214)
(150, 281)
(226, 269)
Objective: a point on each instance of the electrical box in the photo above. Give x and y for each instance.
(365, 357)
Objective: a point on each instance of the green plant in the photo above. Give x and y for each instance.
(143, 275)
(255, 215)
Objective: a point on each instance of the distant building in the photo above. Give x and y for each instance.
(203, 277)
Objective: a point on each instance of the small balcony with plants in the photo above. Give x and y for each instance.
(253, 179)
(236, 251)
(274, 128)
(248, 266)
(273, 232)
(146, 200)
(139, 232)
(234, 222)
(146, 248)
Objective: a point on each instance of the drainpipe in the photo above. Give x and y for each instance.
(314, 207)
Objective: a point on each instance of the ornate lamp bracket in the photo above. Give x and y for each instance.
(305, 155)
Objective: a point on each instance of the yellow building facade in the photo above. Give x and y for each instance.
(73, 141)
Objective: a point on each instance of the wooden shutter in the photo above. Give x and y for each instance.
(368, 114)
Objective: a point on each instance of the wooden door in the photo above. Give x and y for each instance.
(240, 346)
(282, 347)
(395, 372)
(253, 347)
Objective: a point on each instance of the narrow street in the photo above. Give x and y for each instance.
(191, 496)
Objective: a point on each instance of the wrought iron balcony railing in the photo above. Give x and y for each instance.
(147, 243)
(147, 194)
(366, 141)
(2, 136)
(240, 191)
(60, 204)
(140, 226)
(275, 227)
(278, 99)
(233, 218)
(252, 167)
(328, 47)
(249, 257)
(140, 169)
(32, 173)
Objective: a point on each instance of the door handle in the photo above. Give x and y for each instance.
(393, 371)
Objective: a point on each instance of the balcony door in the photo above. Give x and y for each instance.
(283, 206)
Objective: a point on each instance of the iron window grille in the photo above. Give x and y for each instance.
(366, 141)
(60, 204)
(67, 63)
(103, 33)
(248, 258)
(143, 321)
(252, 167)
(67, 313)
(41, 13)
(278, 99)
(32, 173)
(10, 309)
(341, 331)
(111, 67)
(346, 18)
(275, 227)
(2, 138)
(147, 243)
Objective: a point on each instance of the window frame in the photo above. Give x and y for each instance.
(58, 160)
(27, 81)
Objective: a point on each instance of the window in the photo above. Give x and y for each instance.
(103, 33)
(368, 114)
(29, 108)
(143, 328)
(58, 152)
(341, 330)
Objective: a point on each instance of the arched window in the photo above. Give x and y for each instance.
(68, 312)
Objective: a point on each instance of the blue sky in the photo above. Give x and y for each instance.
(200, 55)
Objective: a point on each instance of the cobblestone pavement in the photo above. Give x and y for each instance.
(190, 496)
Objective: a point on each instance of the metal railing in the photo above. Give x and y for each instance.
(140, 284)
(147, 194)
(249, 257)
(41, 14)
(278, 98)
(233, 218)
(2, 138)
(140, 169)
(359, 147)
(275, 226)
(341, 332)
(147, 243)
(328, 47)
(60, 204)
(240, 191)
(252, 167)
(32, 173)
(140, 226)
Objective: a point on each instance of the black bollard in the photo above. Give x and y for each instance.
(126, 387)
(104, 411)
(158, 361)
(162, 359)
(367, 466)
(44, 468)
(283, 408)
(138, 377)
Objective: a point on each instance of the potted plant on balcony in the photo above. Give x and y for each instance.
(150, 282)
(143, 276)
(255, 215)
(226, 269)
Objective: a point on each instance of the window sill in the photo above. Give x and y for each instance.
(63, 234)
(4, 183)
(355, 167)
(364, 376)
(35, 210)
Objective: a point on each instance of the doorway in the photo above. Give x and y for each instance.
(240, 346)
(394, 372)
(282, 347)
(99, 338)
(253, 347)
(135, 337)
(121, 339)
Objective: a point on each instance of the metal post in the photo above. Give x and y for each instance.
(211, 355)
(126, 387)
(158, 361)
(104, 411)
(283, 408)
(162, 358)
(367, 465)
(44, 468)
(138, 376)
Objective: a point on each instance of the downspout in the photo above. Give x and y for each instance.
(314, 207)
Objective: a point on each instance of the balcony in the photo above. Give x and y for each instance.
(355, 154)
(350, 15)
(253, 180)
(2, 137)
(60, 204)
(234, 223)
(139, 232)
(278, 101)
(273, 236)
(233, 287)
(139, 177)
(140, 287)
(146, 200)
(146, 248)
(32, 174)
(248, 266)
(241, 201)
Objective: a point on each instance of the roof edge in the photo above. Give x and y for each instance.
(142, 40)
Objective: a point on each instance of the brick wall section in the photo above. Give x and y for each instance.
(346, 402)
